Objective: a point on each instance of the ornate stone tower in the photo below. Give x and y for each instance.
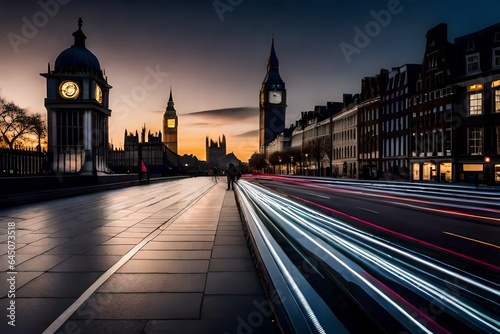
(77, 110)
(216, 151)
(170, 125)
(272, 103)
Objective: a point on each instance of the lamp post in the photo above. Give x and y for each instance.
(279, 159)
(291, 165)
(307, 163)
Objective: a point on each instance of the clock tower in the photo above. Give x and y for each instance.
(78, 111)
(272, 103)
(170, 124)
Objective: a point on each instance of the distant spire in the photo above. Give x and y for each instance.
(272, 62)
(79, 35)
(273, 74)
(170, 111)
(170, 97)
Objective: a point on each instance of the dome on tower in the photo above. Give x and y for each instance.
(78, 58)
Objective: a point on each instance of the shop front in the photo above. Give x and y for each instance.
(436, 171)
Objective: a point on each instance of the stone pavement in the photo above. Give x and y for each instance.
(159, 258)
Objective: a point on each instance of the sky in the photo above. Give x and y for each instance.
(213, 53)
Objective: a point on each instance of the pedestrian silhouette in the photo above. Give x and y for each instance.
(215, 173)
(231, 173)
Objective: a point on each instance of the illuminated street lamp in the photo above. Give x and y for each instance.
(307, 163)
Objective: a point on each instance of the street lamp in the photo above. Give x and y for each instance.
(279, 159)
(307, 163)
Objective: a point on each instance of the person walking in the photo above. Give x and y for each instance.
(215, 173)
(231, 173)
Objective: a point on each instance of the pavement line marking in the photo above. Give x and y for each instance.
(56, 324)
(471, 239)
(358, 207)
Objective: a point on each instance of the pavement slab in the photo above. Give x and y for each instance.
(159, 258)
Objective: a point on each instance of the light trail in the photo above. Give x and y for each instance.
(381, 193)
(427, 277)
(401, 235)
(471, 239)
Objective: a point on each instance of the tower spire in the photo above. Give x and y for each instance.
(170, 103)
(79, 35)
(272, 62)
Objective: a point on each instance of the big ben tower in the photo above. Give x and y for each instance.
(272, 103)
(170, 124)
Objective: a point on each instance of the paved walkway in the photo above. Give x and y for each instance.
(148, 259)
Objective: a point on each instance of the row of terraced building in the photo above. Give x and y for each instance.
(434, 121)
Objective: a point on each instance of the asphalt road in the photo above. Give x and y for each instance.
(460, 229)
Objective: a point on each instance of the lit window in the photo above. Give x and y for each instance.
(476, 104)
(475, 87)
(475, 138)
(497, 101)
(472, 63)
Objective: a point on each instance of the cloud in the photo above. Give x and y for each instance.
(248, 134)
(228, 114)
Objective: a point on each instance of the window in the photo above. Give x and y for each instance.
(496, 57)
(476, 104)
(475, 139)
(470, 45)
(432, 60)
(497, 100)
(472, 63)
(439, 78)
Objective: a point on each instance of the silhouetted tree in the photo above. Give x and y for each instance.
(16, 124)
(294, 155)
(274, 159)
(316, 150)
(257, 161)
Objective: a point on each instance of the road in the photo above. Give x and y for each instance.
(465, 228)
(436, 249)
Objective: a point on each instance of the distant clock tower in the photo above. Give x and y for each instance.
(170, 124)
(78, 111)
(272, 103)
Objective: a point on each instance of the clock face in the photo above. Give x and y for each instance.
(171, 123)
(98, 93)
(275, 97)
(69, 89)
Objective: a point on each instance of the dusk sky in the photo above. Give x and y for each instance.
(214, 55)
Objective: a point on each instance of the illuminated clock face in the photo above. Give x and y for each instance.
(171, 123)
(275, 97)
(98, 93)
(69, 89)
